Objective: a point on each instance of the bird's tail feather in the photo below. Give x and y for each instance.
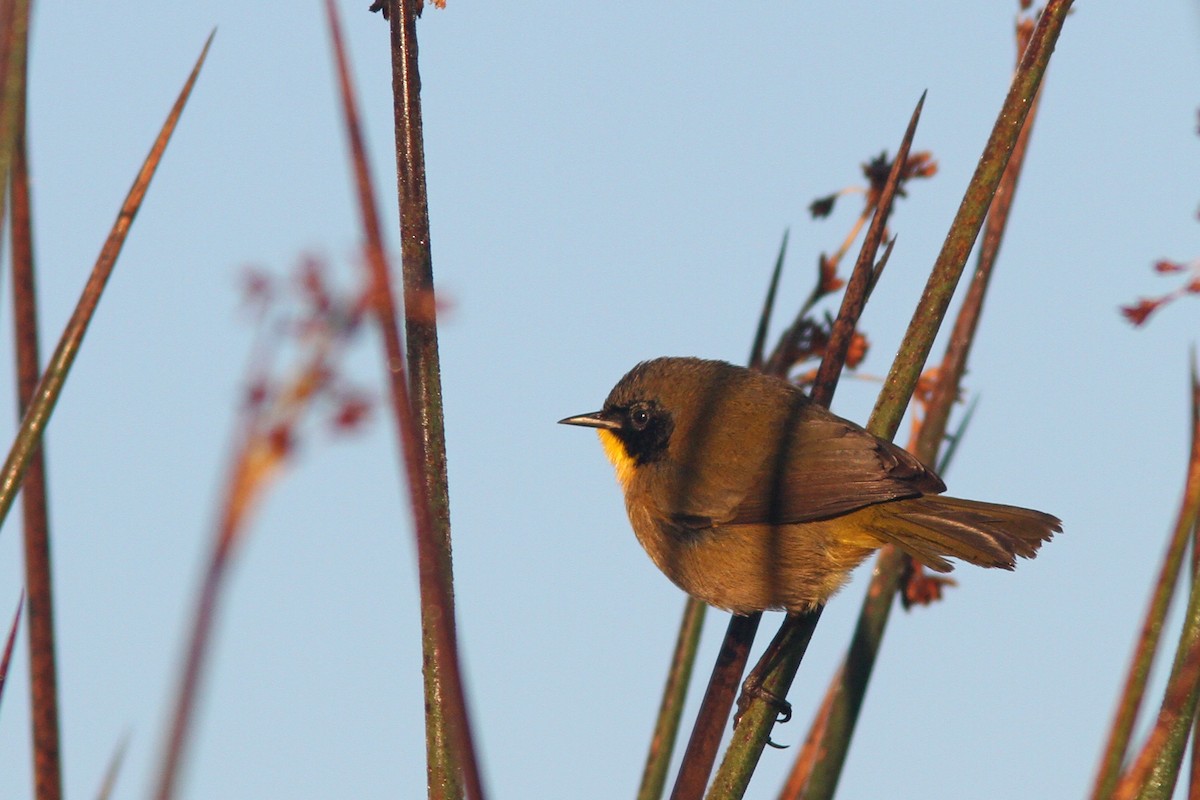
(931, 528)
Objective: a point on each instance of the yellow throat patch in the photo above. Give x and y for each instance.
(614, 448)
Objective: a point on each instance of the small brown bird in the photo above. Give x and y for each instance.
(749, 496)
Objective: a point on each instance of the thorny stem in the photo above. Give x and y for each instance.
(850, 691)
(918, 340)
(778, 666)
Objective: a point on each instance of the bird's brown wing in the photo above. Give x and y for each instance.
(829, 466)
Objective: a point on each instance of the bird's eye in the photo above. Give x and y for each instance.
(639, 416)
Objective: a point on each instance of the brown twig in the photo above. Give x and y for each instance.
(434, 578)
(715, 708)
(109, 781)
(43, 684)
(45, 396)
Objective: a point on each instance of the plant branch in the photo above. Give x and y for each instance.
(778, 666)
(849, 689)
(43, 671)
(45, 396)
(434, 578)
(424, 373)
(670, 711)
(1133, 692)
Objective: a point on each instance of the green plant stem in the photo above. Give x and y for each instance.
(420, 323)
(962, 335)
(666, 727)
(778, 666)
(701, 752)
(758, 717)
(918, 341)
(1134, 690)
(906, 369)
(43, 670)
(437, 606)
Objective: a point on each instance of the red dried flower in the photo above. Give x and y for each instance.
(1137, 314)
(351, 413)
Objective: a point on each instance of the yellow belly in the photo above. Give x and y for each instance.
(747, 568)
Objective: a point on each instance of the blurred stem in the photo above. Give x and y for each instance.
(990, 192)
(9, 641)
(1194, 765)
(802, 767)
(777, 668)
(183, 713)
(420, 328)
(1144, 652)
(109, 781)
(666, 728)
(14, 46)
(455, 753)
(43, 672)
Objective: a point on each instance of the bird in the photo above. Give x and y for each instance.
(751, 497)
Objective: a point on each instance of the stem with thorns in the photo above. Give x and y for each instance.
(777, 668)
(850, 689)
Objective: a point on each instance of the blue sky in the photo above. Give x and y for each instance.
(607, 184)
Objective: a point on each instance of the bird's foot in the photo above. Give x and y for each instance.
(753, 689)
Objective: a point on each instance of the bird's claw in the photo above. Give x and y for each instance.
(753, 689)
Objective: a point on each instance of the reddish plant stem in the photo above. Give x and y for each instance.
(43, 671)
(9, 641)
(715, 708)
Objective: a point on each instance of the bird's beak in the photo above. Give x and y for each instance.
(594, 420)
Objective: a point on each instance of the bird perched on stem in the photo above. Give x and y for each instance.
(750, 497)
